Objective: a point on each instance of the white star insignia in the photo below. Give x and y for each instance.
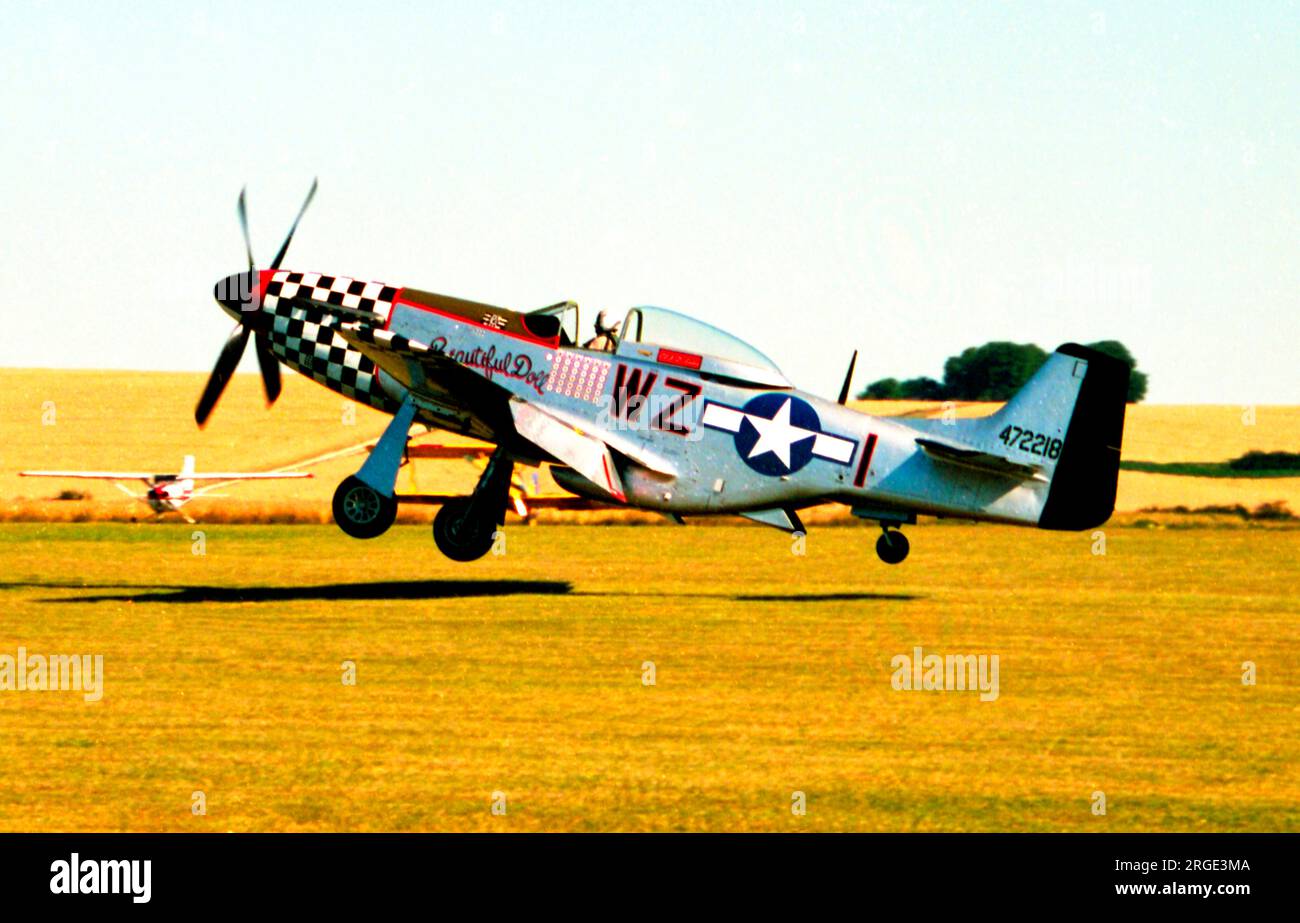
(777, 435)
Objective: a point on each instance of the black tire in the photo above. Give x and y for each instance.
(892, 547)
(460, 536)
(361, 511)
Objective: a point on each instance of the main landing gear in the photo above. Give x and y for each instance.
(892, 546)
(364, 505)
(361, 511)
(464, 529)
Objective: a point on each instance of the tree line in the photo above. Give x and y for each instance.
(992, 372)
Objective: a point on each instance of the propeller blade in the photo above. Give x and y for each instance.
(270, 367)
(243, 223)
(284, 247)
(848, 378)
(221, 372)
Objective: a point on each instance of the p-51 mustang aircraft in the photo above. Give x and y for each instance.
(167, 493)
(679, 417)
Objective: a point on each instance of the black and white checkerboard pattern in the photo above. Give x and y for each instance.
(335, 290)
(306, 338)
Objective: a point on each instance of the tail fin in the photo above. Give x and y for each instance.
(1084, 392)
(187, 469)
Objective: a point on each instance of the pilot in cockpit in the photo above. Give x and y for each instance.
(606, 338)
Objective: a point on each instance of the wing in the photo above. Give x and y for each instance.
(460, 398)
(97, 475)
(221, 479)
(433, 377)
(245, 475)
(175, 476)
(615, 440)
(584, 453)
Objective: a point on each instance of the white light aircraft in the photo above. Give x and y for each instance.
(167, 493)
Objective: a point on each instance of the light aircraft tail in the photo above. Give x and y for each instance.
(187, 469)
(1071, 415)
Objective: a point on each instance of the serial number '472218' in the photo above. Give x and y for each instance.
(1028, 441)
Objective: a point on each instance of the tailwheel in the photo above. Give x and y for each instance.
(460, 534)
(361, 511)
(892, 546)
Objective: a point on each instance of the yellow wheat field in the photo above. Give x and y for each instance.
(128, 420)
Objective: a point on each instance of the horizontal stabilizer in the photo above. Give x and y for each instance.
(956, 454)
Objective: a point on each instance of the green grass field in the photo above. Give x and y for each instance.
(522, 674)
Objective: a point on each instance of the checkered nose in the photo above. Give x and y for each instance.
(237, 294)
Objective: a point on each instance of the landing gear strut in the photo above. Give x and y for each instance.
(466, 527)
(364, 505)
(892, 546)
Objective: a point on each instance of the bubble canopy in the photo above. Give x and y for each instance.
(677, 331)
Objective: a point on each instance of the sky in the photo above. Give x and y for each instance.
(905, 179)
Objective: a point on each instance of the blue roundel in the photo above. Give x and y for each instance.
(777, 434)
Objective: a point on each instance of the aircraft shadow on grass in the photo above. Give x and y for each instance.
(379, 590)
(399, 589)
(823, 597)
(766, 597)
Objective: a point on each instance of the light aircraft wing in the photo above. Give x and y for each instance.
(152, 475)
(98, 475)
(221, 478)
(245, 475)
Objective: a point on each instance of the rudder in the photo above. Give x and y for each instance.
(1082, 491)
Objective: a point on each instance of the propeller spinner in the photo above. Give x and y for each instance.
(237, 293)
